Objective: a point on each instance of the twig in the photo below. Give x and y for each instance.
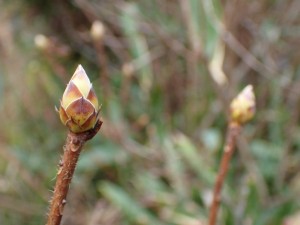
(232, 133)
(72, 149)
(242, 109)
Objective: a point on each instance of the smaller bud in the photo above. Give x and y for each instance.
(41, 41)
(97, 30)
(242, 108)
(128, 69)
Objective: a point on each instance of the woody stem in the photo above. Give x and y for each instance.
(232, 133)
(72, 149)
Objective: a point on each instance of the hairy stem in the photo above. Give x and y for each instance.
(72, 149)
(232, 133)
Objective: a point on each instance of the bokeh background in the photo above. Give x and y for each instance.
(165, 72)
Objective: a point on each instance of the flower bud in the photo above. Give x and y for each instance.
(242, 108)
(97, 30)
(79, 106)
(41, 41)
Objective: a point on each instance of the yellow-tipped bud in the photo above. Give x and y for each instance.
(41, 41)
(97, 30)
(79, 106)
(242, 108)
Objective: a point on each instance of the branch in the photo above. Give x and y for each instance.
(232, 133)
(67, 164)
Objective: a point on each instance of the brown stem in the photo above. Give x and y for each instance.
(72, 149)
(232, 133)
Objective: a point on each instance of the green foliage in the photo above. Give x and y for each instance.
(133, 210)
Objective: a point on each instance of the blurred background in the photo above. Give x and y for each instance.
(164, 72)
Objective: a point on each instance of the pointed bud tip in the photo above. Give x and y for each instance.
(248, 92)
(81, 80)
(79, 69)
